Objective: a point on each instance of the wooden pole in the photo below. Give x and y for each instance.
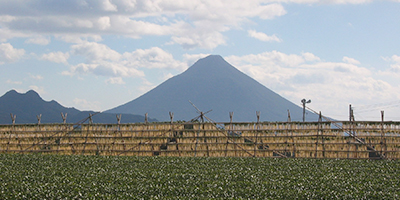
(291, 133)
(350, 112)
(383, 140)
(39, 117)
(231, 129)
(13, 117)
(64, 117)
(319, 132)
(231, 119)
(171, 116)
(172, 135)
(256, 138)
(322, 137)
(350, 130)
(119, 119)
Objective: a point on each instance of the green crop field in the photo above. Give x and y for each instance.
(35, 176)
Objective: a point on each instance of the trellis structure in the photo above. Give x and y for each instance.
(345, 140)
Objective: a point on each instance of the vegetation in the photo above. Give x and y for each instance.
(36, 176)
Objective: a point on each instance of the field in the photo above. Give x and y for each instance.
(35, 176)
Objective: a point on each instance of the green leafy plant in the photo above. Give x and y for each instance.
(34, 176)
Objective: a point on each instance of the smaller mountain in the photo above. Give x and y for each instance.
(28, 105)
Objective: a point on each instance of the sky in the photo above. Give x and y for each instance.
(99, 54)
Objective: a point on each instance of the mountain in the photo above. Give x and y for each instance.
(212, 83)
(28, 105)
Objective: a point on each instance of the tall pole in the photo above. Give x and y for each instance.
(383, 139)
(304, 102)
(350, 113)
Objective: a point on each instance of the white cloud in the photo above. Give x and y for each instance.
(207, 41)
(104, 69)
(37, 89)
(108, 6)
(7, 18)
(395, 58)
(348, 1)
(191, 24)
(81, 68)
(190, 59)
(310, 57)
(146, 86)
(323, 1)
(263, 37)
(84, 104)
(57, 57)
(394, 70)
(104, 23)
(168, 76)
(151, 58)
(38, 40)
(102, 60)
(36, 77)
(351, 60)
(273, 58)
(94, 51)
(9, 54)
(115, 80)
(13, 82)
(79, 38)
(6, 34)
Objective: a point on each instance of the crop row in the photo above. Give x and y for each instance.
(34, 176)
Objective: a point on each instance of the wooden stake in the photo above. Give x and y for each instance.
(171, 116)
(39, 117)
(318, 131)
(13, 117)
(291, 133)
(256, 140)
(119, 118)
(322, 135)
(383, 140)
(64, 117)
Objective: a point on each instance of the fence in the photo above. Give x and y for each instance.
(348, 140)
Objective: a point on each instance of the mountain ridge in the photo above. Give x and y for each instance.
(26, 106)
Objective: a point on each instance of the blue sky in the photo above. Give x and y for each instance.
(98, 54)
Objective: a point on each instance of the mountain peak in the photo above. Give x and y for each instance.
(211, 83)
(211, 60)
(210, 65)
(212, 57)
(32, 94)
(13, 93)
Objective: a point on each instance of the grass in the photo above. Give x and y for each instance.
(35, 176)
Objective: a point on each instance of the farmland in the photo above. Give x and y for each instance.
(36, 176)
